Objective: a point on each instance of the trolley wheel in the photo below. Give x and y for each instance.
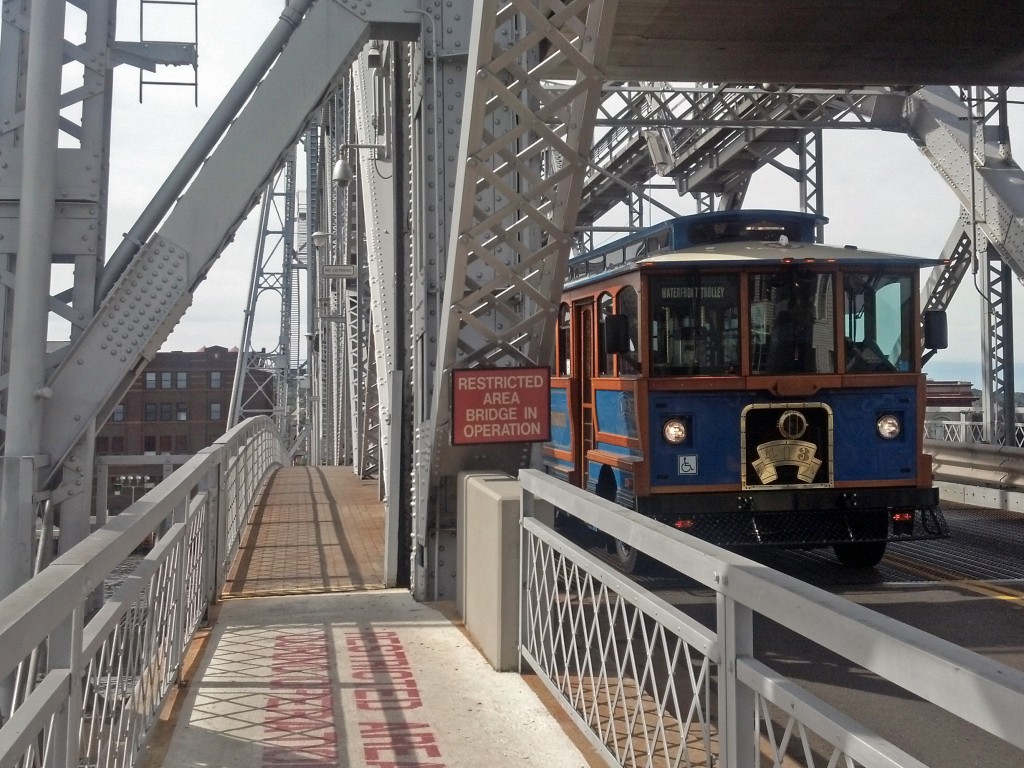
(862, 554)
(630, 559)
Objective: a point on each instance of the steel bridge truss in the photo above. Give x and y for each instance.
(515, 148)
(514, 199)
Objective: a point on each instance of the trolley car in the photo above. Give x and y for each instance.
(725, 374)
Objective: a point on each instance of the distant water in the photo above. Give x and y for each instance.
(938, 370)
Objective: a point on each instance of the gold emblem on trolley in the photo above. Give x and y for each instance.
(812, 459)
(786, 453)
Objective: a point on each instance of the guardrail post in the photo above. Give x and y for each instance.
(65, 652)
(180, 587)
(224, 506)
(212, 539)
(528, 504)
(736, 703)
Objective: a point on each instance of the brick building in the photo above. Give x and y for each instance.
(176, 407)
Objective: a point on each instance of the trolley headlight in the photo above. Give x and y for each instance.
(888, 427)
(674, 431)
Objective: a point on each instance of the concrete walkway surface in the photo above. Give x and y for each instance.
(309, 661)
(356, 679)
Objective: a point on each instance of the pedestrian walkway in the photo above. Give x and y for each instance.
(311, 661)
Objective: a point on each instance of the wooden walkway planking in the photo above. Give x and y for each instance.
(313, 530)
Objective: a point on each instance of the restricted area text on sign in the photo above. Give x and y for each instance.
(501, 405)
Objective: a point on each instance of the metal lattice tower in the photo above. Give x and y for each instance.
(265, 379)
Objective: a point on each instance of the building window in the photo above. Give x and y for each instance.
(165, 380)
(149, 411)
(182, 414)
(166, 411)
(102, 445)
(181, 444)
(214, 411)
(117, 444)
(214, 379)
(150, 379)
(149, 444)
(182, 378)
(118, 414)
(165, 443)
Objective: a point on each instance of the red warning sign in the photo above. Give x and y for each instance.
(501, 405)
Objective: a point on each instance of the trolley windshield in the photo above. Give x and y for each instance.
(794, 322)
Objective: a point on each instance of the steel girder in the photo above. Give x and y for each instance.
(967, 143)
(329, 323)
(973, 159)
(509, 244)
(374, 90)
(711, 138)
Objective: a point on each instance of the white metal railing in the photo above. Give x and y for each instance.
(650, 685)
(87, 688)
(964, 430)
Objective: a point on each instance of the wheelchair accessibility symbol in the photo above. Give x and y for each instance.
(687, 465)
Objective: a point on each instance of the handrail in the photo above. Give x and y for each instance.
(118, 664)
(591, 640)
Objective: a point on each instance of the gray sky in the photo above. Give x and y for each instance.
(880, 192)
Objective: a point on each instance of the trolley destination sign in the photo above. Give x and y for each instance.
(501, 405)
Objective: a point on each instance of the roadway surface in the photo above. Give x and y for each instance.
(968, 590)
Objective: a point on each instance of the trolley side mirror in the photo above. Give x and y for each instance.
(616, 334)
(936, 332)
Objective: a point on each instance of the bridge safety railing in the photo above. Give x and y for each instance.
(962, 429)
(88, 685)
(650, 684)
(978, 474)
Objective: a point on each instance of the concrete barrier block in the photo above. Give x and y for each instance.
(489, 565)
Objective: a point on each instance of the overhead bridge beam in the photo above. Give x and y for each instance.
(154, 291)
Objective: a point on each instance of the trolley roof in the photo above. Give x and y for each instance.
(744, 253)
(767, 254)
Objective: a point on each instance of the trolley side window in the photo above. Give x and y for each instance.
(628, 305)
(605, 360)
(877, 322)
(695, 325)
(792, 322)
(564, 350)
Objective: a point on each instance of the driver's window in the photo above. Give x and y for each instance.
(877, 323)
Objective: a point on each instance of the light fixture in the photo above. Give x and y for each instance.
(674, 431)
(343, 173)
(373, 57)
(888, 426)
(319, 239)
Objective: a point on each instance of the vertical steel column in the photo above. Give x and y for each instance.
(812, 179)
(997, 394)
(27, 390)
(509, 245)
(988, 113)
(437, 92)
(374, 90)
